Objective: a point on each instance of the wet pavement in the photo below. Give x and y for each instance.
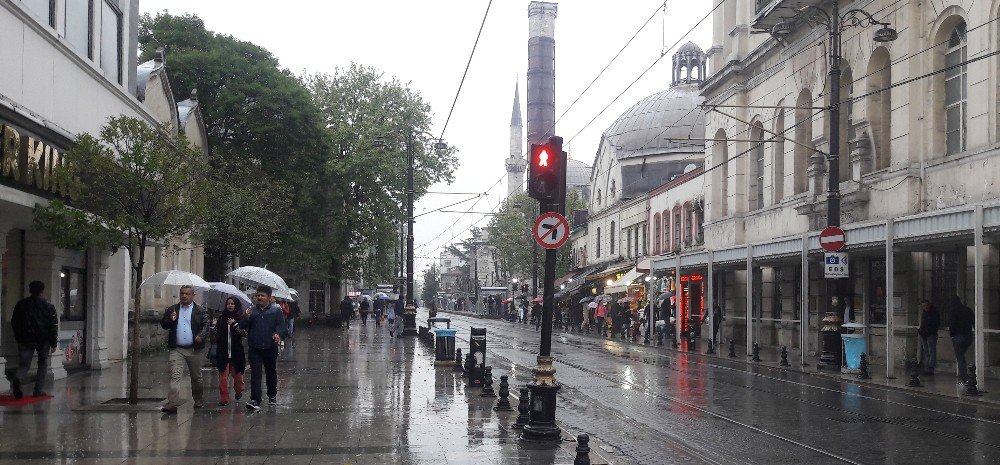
(359, 397)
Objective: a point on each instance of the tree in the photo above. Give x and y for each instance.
(510, 233)
(432, 285)
(132, 185)
(264, 135)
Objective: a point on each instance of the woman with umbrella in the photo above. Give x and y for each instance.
(230, 358)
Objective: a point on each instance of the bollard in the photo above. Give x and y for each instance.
(488, 383)
(459, 362)
(711, 347)
(784, 357)
(914, 370)
(503, 402)
(864, 367)
(972, 384)
(732, 349)
(522, 409)
(582, 450)
(467, 368)
(755, 350)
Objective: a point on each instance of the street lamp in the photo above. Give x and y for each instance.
(835, 23)
(410, 310)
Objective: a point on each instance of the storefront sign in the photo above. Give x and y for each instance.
(27, 160)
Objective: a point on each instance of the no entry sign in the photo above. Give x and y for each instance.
(551, 230)
(832, 239)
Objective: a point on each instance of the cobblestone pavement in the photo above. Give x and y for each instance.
(656, 406)
(345, 397)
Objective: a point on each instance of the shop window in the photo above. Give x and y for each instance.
(43, 9)
(78, 20)
(778, 294)
(111, 41)
(876, 292)
(73, 302)
(956, 87)
(944, 281)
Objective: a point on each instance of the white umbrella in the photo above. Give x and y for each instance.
(592, 305)
(294, 293)
(256, 276)
(175, 278)
(217, 295)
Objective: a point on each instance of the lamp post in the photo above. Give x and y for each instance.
(836, 23)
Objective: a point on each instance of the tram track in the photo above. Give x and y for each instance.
(853, 416)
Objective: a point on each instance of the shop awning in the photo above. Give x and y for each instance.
(578, 279)
(568, 277)
(622, 284)
(610, 271)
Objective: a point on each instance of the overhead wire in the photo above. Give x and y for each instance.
(466, 72)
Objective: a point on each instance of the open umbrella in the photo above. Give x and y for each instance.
(216, 296)
(664, 296)
(294, 293)
(382, 295)
(586, 299)
(506, 301)
(537, 300)
(256, 276)
(604, 297)
(592, 305)
(175, 278)
(626, 300)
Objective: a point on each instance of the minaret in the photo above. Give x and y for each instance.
(516, 162)
(541, 94)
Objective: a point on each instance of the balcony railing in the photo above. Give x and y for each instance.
(771, 12)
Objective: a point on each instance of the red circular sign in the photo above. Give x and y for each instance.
(832, 239)
(551, 230)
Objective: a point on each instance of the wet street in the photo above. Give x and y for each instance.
(359, 397)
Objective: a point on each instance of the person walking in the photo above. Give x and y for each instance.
(294, 312)
(379, 307)
(187, 326)
(395, 315)
(264, 324)
(930, 322)
(36, 331)
(230, 358)
(961, 320)
(364, 307)
(716, 322)
(346, 307)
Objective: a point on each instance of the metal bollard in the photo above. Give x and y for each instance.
(582, 450)
(755, 350)
(488, 383)
(467, 368)
(864, 367)
(459, 362)
(503, 402)
(523, 409)
(711, 347)
(972, 384)
(732, 349)
(784, 357)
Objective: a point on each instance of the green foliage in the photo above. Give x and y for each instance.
(432, 285)
(510, 233)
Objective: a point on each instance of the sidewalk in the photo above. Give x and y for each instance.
(345, 397)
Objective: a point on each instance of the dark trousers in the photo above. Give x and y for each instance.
(266, 360)
(25, 352)
(364, 318)
(961, 344)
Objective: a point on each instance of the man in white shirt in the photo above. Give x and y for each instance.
(187, 324)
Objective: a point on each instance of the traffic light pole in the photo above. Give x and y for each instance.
(541, 425)
(410, 310)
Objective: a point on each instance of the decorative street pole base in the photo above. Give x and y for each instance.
(541, 425)
(830, 331)
(409, 320)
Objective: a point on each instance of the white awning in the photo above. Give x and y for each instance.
(622, 284)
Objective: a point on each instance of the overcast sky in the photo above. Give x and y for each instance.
(427, 43)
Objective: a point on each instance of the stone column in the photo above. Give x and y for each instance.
(861, 153)
(5, 227)
(41, 264)
(97, 305)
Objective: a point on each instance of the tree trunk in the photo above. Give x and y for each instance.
(133, 340)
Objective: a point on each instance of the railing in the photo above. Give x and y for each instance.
(761, 4)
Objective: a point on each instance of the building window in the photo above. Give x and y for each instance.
(598, 198)
(778, 163)
(956, 88)
(628, 234)
(804, 140)
(666, 231)
(637, 242)
(678, 223)
(598, 254)
(111, 42)
(944, 281)
(699, 221)
(656, 233)
(44, 9)
(757, 202)
(847, 131)
(880, 105)
(611, 233)
(611, 194)
(776, 299)
(78, 21)
(74, 294)
(688, 229)
(645, 244)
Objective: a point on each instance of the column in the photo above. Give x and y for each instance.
(749, 305)
(890, 291)
(804, 301)
(980, 284)
(97, 305)
(5, 227)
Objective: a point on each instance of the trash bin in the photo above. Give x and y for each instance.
(855, 343)
(477, 347)
(444, 346)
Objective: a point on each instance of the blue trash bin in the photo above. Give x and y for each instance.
(855, 343)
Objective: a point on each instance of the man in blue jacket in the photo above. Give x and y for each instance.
(264, 323)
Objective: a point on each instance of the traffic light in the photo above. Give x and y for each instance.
(547, 171)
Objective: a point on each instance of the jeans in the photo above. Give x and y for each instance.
(961, 344)
(25, 352)
(290, 324)
(266, 360)
(180, 358)
(928, 347)
(224, 383)
(364, 318)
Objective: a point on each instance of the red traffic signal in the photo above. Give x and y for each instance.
(547, 171)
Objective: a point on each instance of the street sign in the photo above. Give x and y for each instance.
(832, 239)
(835, 265)
(551, 230)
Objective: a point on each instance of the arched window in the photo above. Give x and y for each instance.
(611, 233)
(598, 254)
(611, 193)
(678, 224)
(688, 225)
(847, 131)
(880, 106)
(757, 167)
(778, 158)
(656, 234)
(666, 231)
(956, 88)
(598, 197)
(699, 223)
(720, 175)
(803, 135)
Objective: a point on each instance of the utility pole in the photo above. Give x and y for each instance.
(410, 310)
